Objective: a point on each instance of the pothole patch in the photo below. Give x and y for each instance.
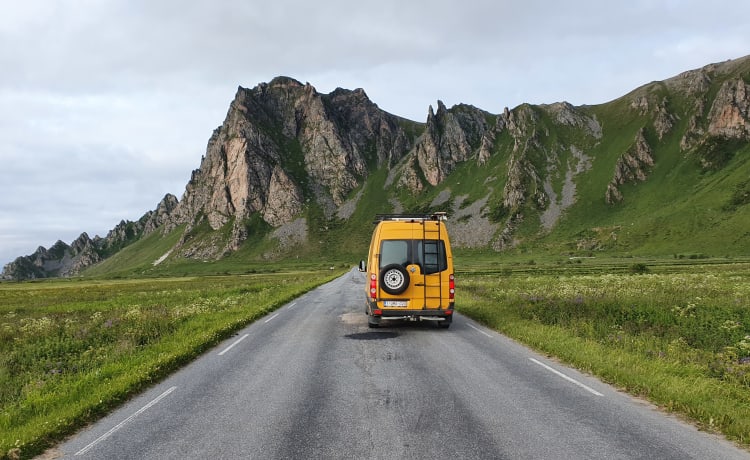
(372, 335)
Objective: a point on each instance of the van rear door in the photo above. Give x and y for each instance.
(424, 264)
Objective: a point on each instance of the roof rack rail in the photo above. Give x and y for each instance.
(440, 215)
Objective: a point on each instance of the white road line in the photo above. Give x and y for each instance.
(291, 306)
(121, 424)
(478, 330)
(232, 345)
(269, 319)
(569, 379)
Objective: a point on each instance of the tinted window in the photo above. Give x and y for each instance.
(431, 256)
(428, 254)
(394, 252)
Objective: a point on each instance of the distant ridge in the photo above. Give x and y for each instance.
(663, 170)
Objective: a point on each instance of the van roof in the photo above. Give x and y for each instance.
(436, 216)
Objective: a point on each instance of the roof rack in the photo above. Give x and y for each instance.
(441, 215)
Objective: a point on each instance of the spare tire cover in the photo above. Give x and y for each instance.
(394, 279)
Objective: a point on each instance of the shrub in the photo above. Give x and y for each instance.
(638, 268)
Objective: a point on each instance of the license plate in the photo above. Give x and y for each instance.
(395, 303)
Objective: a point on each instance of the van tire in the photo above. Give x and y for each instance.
(443, 324)
(394, 279)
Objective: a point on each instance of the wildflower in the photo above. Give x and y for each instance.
(730, 325)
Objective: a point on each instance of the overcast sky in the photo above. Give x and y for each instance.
(106, 106)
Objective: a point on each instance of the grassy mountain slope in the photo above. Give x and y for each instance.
(692, 201)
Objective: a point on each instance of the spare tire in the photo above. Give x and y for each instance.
(394, 279)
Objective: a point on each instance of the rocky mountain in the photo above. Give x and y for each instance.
(63, 260)
(281, 145)
(294, 168)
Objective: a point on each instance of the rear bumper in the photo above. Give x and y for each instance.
(409, 313)
(406, 313)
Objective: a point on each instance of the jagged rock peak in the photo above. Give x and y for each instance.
(282, 81)
(358, 93)
(161, 215)
(522, 121)
(283, 144)
(59, 260)
(442, 109)
(450, 137)
(81, 243)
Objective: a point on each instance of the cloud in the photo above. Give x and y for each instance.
(108, 105)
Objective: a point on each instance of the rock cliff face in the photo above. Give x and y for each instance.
(283, 143)
(729, 116)
(285, 152)
(160, 216)
(631, 167)
(729, 111)
(450, 138)
(542, 168)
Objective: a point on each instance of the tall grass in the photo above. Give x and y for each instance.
(680, 337)
(72, 350)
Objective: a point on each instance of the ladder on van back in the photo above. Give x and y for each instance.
(432, 252)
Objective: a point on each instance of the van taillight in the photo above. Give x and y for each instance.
(373, 286)
(451, 287)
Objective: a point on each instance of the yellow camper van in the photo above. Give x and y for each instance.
(409, 269)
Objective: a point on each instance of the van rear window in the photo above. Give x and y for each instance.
(428, 254)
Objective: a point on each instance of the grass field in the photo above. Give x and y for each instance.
(675, 331)
(71, 350)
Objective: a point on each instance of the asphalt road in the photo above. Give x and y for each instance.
(311, 380)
